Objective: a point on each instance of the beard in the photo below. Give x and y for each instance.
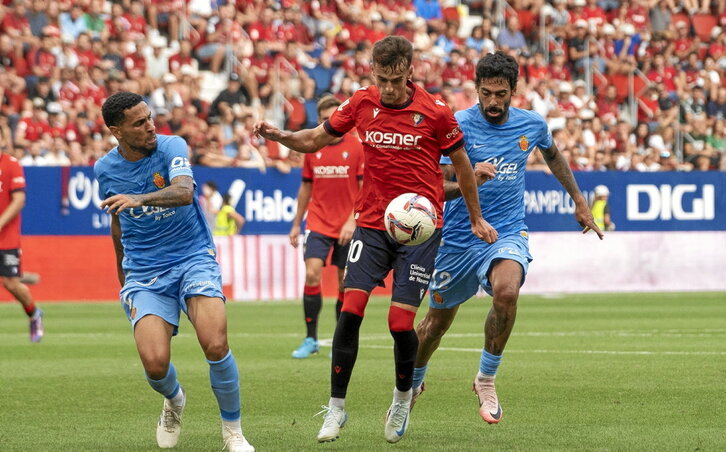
(496, 115)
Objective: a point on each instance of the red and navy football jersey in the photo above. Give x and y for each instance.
(402, 145)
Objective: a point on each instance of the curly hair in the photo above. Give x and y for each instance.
(393, 52)
(498, 65)
(115, 106)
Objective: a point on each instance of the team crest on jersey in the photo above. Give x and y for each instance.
(417, 118)
(523, 143)
(345, 155)
(159, 180)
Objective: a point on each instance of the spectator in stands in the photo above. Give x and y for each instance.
(511, 37)
(234, 94)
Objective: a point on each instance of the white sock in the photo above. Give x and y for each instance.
(481, 376)
(178, 399)
(337, 403)
(402, 395)
(235, 426)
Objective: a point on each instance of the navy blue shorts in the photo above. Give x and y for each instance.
(10, 263)
(373, 253)
(318, 245)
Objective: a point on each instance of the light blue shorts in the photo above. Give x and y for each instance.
(164, 293)
(459, 275)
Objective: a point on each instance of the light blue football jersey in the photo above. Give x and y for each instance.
(155, 238)
(507, 146)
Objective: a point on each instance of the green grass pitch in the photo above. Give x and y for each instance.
(620, 372)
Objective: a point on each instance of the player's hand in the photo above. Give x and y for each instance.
(294, 235)
(583, 215)
(346, 232)
(484, 171)
(484, 231)
(267, 131)
(117, 203)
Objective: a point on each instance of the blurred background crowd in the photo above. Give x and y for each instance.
(635, 85)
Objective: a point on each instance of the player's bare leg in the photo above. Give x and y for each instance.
(429, 331)
(209, 318)
(153, 342)
(505, 278)
(312, 304)
(21, 292)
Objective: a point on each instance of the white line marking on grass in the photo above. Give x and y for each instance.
(329, 342)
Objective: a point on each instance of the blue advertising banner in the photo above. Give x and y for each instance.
(64, 201)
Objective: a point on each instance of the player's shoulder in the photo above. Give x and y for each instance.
(430, 102)
(529, 117)
(164, 142)
(9, 160)
(104, 162)
(468, 114)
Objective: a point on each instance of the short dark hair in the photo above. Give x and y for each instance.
(115, 106)
(498, 65)
(327, 102)
(394, 52)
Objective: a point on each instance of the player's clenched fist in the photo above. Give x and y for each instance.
(484, 171)
(484, 231)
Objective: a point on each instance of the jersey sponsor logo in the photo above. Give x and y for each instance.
(375, 112)
(342, 106)
(392, 138)
(331, 171)
(523, 143)
(417, 118)
(19, 180)
(158, 212)
(505, 170)
(179, 162)
(454, 132)
(159, 180)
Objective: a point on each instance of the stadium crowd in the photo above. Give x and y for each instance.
(210, 69)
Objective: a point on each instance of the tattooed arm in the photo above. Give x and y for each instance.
(559, 167)
(179, 193)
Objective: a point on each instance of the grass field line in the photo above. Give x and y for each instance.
(329, 342)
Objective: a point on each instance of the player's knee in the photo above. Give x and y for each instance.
(355, 301)
(434, 328)
(506, 295)
(11, 284)
(156, 369)
(312, 277)
(400, 319)
(215, 350)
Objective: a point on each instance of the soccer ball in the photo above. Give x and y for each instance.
(410, 219)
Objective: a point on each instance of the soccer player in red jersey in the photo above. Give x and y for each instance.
(12, 200)
(331, 179)
(404, 131)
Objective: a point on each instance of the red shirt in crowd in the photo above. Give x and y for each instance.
(403, 145)
(11, 179)
(334, 171)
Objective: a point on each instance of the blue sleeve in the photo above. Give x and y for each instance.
(545, 135)
(177, 158)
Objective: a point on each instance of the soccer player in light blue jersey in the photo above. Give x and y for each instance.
(166, 262)
(499, 138)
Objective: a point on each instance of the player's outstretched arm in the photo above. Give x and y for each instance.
(303, 199)
(306, 141)
(467, 185)
(179, 193)
(118, 248)
(559, 167)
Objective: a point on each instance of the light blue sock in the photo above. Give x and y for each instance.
(167, 386)
(489, 363)
(224, 378)
(418, 376)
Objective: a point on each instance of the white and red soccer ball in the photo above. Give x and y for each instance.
(410, 219)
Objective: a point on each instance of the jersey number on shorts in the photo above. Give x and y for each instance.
(356, 247)
(440, 280)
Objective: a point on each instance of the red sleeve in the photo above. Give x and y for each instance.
(17, 177)
(448, 131)
(307, 169)
(343, 118)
